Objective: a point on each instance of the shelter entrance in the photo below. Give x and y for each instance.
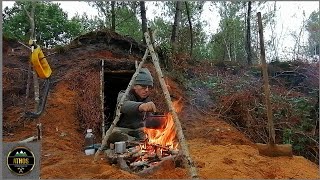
(116, 77)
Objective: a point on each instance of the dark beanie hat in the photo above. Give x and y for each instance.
(144, 77)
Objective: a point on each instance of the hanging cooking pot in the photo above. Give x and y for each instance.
(155, 121)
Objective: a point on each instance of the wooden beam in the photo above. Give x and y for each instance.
(120, 72)
(102, 98)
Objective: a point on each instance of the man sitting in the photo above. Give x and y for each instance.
(135, 107)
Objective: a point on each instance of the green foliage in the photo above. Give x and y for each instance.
(163, 30)
(211, 82)
(302, 108)
(255, 71)
(219, 86)
(128, 24)
(313, 28)
(51, 23)
(287, 136)
(104, 11)
(199, 41)
(284, 66)
(199, 36)
(300, 144)
(126, 21)
(178, 77)
(216, 49)
(293, 108)
(88, 24)
(297, 112)
(228, 42)
(195, 7)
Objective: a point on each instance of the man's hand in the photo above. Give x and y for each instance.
(148, 107)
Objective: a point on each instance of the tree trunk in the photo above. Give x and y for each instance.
(113, 16)
(274, 36)
(228, 50)
(32, 37)
(248, 37)
(31, 17)
(143, 19)
(230, 47)
(191, 32)
(234, 46)
(35, 76)
(175, 27)
(102, 7)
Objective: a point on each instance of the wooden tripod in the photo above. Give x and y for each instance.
(184, 147)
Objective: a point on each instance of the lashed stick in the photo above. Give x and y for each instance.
(183, 144)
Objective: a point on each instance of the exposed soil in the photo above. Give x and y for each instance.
(219, 150)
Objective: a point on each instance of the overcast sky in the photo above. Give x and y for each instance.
(289, 17)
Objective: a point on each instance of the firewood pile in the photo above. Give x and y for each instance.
(141, 158)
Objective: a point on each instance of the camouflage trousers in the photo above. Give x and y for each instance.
(126, 134)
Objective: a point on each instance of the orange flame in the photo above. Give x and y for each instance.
(166, 136)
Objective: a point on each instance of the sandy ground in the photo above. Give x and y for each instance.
(220, 151)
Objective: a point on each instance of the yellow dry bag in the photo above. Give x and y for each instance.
(40, 64)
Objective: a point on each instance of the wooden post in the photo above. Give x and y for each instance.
(118, 113)
(35, 76)
(39, 131)
(27, 88)
(102, 97)
(272, 134)
(184, 147)
(32, 38)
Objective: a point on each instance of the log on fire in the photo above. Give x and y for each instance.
(141, 161)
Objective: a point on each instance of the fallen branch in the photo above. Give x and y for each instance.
(30, 139)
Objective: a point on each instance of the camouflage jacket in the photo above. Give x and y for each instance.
(131, 117)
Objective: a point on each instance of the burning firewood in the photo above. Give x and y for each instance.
(147, 155)
(158, 152)
(139, 163)
(139, 154)
(134, 150)
(166, 162)
(143, 157)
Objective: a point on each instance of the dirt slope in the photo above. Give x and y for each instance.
(225, 153)
(243, 161)
(219, 150)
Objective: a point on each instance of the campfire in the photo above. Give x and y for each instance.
(144, 157)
